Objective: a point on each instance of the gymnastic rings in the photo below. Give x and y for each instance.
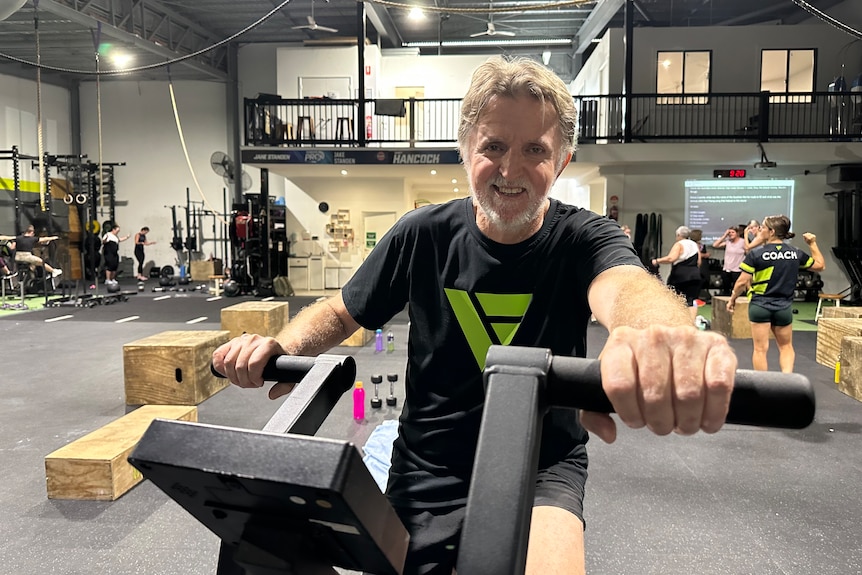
(68, 199)
(81, 199)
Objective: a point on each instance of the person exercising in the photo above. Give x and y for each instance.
(140, 242)
(509, 264)
(111, 251)
(24, 245)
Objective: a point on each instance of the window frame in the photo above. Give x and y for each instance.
(786, 96)
(683, 98)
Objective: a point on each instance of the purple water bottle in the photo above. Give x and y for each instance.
(378, 341)
(358, 401)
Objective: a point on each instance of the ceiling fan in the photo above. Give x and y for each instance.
(492, 31)
(313, 25)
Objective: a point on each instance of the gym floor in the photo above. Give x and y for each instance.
(743, 501)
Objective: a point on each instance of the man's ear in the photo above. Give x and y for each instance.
(564, 164)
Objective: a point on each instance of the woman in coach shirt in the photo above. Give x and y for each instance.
(771, 270)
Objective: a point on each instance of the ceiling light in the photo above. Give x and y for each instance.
(491, 43)
(121, 59)
(416, 13)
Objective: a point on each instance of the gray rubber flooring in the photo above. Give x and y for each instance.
(743, 501)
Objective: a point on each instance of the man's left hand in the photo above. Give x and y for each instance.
(665, 378)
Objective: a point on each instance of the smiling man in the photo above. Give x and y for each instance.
(509, 265)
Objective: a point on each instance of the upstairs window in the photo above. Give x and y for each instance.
(683, 73)
(788, 75)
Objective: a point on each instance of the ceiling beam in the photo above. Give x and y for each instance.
(382, 21)
(115, 33)
(596, 23)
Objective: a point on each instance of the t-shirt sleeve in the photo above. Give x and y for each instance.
(379, 288)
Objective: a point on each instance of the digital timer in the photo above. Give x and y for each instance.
(732, 173)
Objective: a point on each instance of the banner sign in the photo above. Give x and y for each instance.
(366, 157)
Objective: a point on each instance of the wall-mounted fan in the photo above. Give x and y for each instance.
(224, 167)
(313, 25)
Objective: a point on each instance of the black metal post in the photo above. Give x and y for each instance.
(629, 70)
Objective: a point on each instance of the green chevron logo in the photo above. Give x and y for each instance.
(488, 319)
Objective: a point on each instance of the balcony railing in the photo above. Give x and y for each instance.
(325, 122)
(416, 123)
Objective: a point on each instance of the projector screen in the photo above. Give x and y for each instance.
(715, 205)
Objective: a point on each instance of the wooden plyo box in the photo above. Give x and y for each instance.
(830, 332)
(359, 338)
(732, 325)
(265, 318)
(95, 467)
(850, 380)
(845, 312)
(202, 270)
(172, 368)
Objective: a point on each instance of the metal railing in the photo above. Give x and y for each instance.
(416, 123)
(406, 122)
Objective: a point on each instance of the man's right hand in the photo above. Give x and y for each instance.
(243, 358)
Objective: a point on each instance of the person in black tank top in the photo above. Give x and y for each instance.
(140, 242)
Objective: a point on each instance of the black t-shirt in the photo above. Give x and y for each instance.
(25, 243)
(774, 269)
(466, 292)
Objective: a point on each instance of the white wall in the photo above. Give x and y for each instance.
(661, 189)
(735, 54)
(138, 128)
(18, 123)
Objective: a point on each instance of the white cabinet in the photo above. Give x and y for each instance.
(297, 272)
(315, 273)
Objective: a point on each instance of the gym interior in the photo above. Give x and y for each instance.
(266, 172)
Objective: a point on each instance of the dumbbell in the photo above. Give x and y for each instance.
(392, 400)
(376, 402)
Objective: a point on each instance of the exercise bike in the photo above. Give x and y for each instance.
(283, 502)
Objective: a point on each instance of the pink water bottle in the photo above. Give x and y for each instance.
(358, 401)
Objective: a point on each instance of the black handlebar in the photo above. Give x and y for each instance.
(760, 398)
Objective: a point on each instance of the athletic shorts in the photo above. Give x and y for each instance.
(112, 262)
(779, 318)
(435, 532)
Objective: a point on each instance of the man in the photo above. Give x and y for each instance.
(24, 245)
(536, 268)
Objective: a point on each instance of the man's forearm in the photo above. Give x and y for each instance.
(315, 329)
(636, 299)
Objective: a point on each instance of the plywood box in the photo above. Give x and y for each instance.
(732, 325)
(95, 467)
(830, 332)
(172, 368)
(202, 270)
(842, 312)
(359, 338)
(265, 318)
(850, 380)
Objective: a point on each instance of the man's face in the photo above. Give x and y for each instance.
(512, 160)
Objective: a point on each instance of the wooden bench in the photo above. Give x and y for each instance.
(172, 368)
(95, 467)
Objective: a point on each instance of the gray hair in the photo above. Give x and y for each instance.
(683, 232)
(500, 76)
